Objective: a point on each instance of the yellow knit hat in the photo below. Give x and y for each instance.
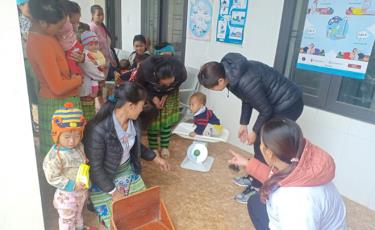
(67, 119)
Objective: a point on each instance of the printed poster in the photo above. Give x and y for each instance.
(231, 21)
(200, 19)
(338, 37)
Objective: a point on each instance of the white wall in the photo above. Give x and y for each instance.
(131, 22)
(260, 42)
(21, 206)
(350, 142)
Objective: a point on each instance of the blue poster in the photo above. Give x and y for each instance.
(338, 37)
(231, 21)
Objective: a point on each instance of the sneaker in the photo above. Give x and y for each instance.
(164, 153)
(243, 181)
(244, 196)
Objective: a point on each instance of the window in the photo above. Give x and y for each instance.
(349, 97)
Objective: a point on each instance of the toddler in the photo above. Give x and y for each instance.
(204, 119)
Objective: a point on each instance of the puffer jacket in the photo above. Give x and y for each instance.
(147, 77)
(260, 87)
(104, 151)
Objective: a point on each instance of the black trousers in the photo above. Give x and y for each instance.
(258, 212)
(292, 113)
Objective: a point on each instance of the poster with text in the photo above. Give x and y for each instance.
(231, 21)
(338, 37)
(200, 19)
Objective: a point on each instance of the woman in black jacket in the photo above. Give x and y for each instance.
(162, 77)
(113, 146)
(259, 87)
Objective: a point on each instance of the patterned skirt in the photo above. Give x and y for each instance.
(46, 108)
(88, 108)
(126, 181)
(169, 114)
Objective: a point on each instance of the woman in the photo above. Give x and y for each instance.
(47, 58)
(113, 146)
(260, 87)
(162, 77)
(298, 188)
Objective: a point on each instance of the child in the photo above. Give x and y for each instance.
(94, 69)
(62, 163)
(205, 120)
(69, 42)
(140, 48)
(124, 66)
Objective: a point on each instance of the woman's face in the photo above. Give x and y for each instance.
(74, 19)
(267, 153)
(98, 16)
(52, 29)
(139, 47)
(221, 84)
(135, 109)
(167, 81)
(24, 8)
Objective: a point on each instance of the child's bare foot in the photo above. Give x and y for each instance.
(164, 153)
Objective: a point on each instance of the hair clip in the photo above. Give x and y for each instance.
(112, 98)
(294, 159)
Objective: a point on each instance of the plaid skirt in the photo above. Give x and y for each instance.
(88, 108)
(46, 108)
(169, 114)
(126, 181)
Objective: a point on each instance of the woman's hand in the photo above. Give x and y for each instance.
(79, 186)
(77, 56)
(242, 133)
(157, 102)
(237, 159)
(251, 138)
(117, 196)
(163, 164)
(163, 100)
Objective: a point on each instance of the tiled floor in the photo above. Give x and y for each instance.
(201, 200)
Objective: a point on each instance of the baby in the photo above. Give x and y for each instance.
(91, 50)
(204, 119)
(69, 42)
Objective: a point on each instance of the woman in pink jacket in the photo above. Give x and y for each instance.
(297, 192)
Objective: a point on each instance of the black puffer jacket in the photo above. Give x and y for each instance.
(104, 151)
(260, 87)
(147, 77)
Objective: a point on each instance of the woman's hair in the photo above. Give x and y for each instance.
(164, 71)
(285, 139)
(210, 73)
(139, 38)
(127, 92)
(94, 8)
(50, 11)
(71, 7)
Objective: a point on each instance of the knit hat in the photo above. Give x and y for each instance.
(67, 119)
(87, 37)
(164, 48)
(20, 2)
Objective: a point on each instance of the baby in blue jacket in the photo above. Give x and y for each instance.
(205, 120)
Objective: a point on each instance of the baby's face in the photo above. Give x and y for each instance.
(93, 46)
(195, 105)
(70, 139)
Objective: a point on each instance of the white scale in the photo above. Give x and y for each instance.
(197, 158)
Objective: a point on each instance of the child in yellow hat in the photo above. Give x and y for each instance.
(63, 166)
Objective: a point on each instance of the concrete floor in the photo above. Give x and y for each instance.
(199, 200)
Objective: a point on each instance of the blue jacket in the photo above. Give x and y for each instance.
(201, 120)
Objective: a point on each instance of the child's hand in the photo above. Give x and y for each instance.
(192, 134)
(79, 186)
(163, 100)
(156, 102)
(237, 159)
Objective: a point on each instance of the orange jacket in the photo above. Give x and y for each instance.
(49, 64)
